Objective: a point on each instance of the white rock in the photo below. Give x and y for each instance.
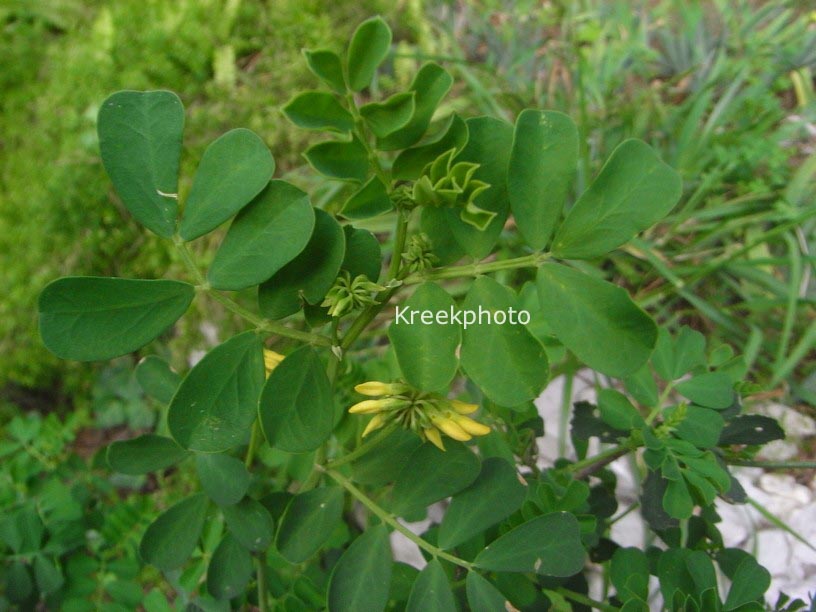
(793, 422)
(785, 485)
(779, 450)
(736, 523)
(774, 553)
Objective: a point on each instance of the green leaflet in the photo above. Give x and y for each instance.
(483, 596)
(147, 453)
(369, 201)
(340, 159)
(712, 390)
(503, 359)
(748, 583)
(157, 379)
(383, 463)
(251, 524)
(495, 494)
(409, 163)
(385, 118)
(549, 545)
(676, 356)
(425, 349)
(224, 479)
(617, 411)
(265, 236)
(361, 578)
(140, 143)
(309, 275)
(230, 569)
(540, 172)
(88, 318)
(308, 522)
(629, 573)
(327, 66)
(431, 591)
(215, 405)
(590, 316)
(367, 50)
(430, 85)
(233, 170)
(171, 538)
(296, 410)
(318, 110)
(633, 191)
(363, 255)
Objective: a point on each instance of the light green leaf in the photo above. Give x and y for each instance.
(140, 143)
(502, 358)
(629, 573)
(431, 591)
(265, 236)
(251, 524)
(425, 348)
(157, 379)
(489, 143)
(702, 427)
(430, 85)
(309, 275)
(215, 404)
(677, 500)
(367, 50)
(88, 318)
(483, 596)
(673, 357)
(363, 255)
(308, 522)
(409, 163)
(384, 118)
(431, 474)
(748, 584)
(493, 496)
(369, 201)
(224, 479)
(171, 538)
(347, 160)
(590, 315)
(361, 578)
(540, 173)
(712, 390)
(230, 569)
(434, 222)
(147, 453)
(297, 407)
(233, 170)
(318, 110)
(327, 66)
(633, 191)
(617, 411)
(549, 545)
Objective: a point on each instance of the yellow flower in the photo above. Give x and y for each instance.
(432, 434)
(374, 424)
(271, 360)
(450, 428)
(376, 389)
(474, 428)
(374, 406)
(463, 408)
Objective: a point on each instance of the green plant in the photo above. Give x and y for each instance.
(296, 495)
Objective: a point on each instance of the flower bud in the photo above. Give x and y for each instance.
(450, 428)
(472, 427)
(375, 388)
(463, 407)
(374, 424)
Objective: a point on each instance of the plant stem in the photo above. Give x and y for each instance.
(774, 465)
(388, 519)
(587, 601)
(590, 465)
(261, 573)
(475, 269)
(254, 439)
(400, 234)
(363, 448)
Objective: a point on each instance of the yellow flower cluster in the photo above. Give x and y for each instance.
(429, 414)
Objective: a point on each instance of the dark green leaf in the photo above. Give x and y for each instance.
(540, 173)
(430, 85)
(265, 236)
(140, 143)
(701, 427)
(361, 578)
(297, 406)
(689, 572)
(19, 585)
(251, 524)
(327, 66)
(617, 411)
(434, 223)
(629, 573)
(495, 495)
(590, 315)
(157, 379)
(347, 160)
(147, 453)
(230, 569)
(677, 501)
(48, 576)
(369, 201)
(748, 584)
(363, 254)
(712, 390)
(318, 110)
(171, 538)
(549, 545)
(431, 474)
(502, 358)
(308, 522)
(233, 170)
(431, 591)
(383, 463)
(89, 318)
(633, 191)
(409, 163)
(369, 46)
(22, 529)
(642, 386)
(426, 347)
(216, 402)
(751, 429)
(483, 596)
(384, 118)
(224, 479)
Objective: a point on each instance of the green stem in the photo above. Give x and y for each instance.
(590, 465)
(362, 135)
(262, 589)
(587, 601)
(400, 235)
(475, 269)
(388, 519)
(363, 448)
(254, 440)
(774, 465)
(364, 318)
